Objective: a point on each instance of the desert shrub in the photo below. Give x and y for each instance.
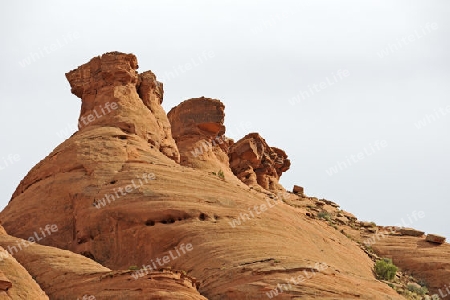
(133, 268)
(324, 215)
(385, 269)
(221, 174)
(422, 282)
(418, 290)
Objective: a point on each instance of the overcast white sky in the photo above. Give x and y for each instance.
(326, 81)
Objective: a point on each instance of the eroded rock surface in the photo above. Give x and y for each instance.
(66, 275)
(427, 261)
(254, 162)
(96, 188)
(199, 131)
(15, 281)
(113, 94)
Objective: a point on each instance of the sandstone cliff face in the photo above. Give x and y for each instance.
(256, 163)
(118, 198)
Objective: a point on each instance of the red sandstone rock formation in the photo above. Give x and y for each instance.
(15, 281)
(113, 94)
(255, 162)
(197, 127)
(96, 187)
(65, 275)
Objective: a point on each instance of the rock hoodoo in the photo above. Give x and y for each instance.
(114, 94)
(253, 161)
(199, 131)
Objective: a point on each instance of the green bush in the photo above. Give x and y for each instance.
(324, 215)
(385, 269)
(418, 290)
(221, 175)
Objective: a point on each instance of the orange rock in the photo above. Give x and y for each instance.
(410, 232)
(256, 163)
(108, 86)
(244, 244)
(414, 254)
(434, 238)
(5, 283)
(151, 92)
(65, 275)
(197, 127)
(349, 216)
(298, 190)
(15, 281)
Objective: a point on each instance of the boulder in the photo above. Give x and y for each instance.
(434, 238)
(298, 190)
(367, 224)
(328, 202)
(342, 220)
(410, 232)
(349, 215)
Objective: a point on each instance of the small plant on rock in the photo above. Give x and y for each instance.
(416, 289)
(385, 269)
(324, 215)
(221, 175)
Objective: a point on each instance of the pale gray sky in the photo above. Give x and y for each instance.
(341, 86)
